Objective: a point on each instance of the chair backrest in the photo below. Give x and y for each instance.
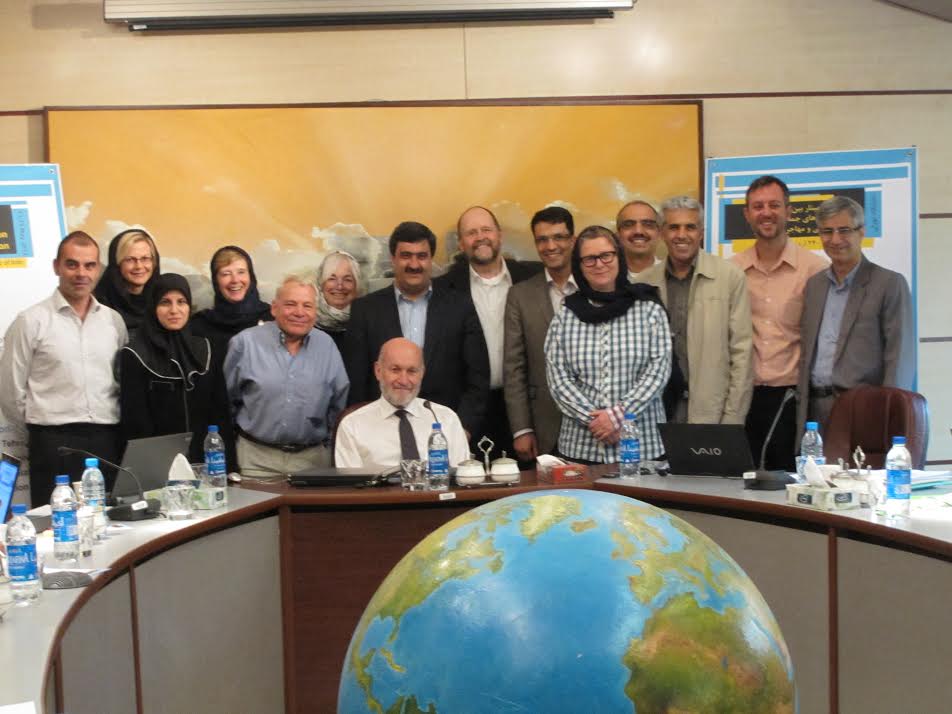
(340, 417)
(869, 417)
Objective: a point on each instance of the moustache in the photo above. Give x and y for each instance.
(415, 271)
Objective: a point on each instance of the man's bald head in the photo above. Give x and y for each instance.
(399, 371)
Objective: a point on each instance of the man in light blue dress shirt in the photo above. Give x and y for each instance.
(857, 325)
(287, 384)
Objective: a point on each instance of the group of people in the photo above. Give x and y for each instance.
(542, 356)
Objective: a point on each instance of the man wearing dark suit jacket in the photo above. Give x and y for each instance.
(857, 325)
(533, 416)
(445, 326)
(485, 278)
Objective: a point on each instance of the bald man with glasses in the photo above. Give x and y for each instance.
(857, 324)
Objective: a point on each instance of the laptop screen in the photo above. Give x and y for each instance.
(9, 470)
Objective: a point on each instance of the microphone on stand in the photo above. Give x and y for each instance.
(429, 406)
(764, 480)
(138, 509)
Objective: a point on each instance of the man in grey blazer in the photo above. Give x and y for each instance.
(857, 324)
(530, 306)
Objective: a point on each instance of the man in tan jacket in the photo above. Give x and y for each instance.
(709, 310)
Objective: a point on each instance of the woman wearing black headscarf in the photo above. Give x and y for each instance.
(608, 353)
(169, 380)
(133, 265)
(237, 304)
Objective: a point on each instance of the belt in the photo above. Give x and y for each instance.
(820, 392)
(287, 448)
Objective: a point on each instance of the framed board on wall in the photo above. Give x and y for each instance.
(290, 183)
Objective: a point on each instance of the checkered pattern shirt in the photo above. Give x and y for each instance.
(621, 365)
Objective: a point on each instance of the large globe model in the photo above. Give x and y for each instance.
(567, 601)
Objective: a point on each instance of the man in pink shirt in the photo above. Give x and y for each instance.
(777, 270)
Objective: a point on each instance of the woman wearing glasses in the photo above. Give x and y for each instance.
(608, 353)
(338, 285)
(133, 265)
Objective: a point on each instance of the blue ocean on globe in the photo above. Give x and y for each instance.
(567, 601)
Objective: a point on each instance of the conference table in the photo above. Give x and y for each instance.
(251, 608)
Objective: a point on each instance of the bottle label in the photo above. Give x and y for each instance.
(22, 560)
(630, 452)
(65, 526)
(898, 484)
(215, 463)
(439, 462)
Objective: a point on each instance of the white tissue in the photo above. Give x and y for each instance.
(181, 470)
(545, 462)
(813, 474)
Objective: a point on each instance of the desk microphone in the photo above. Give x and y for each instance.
(771, 480)
(139, 509)
(429, 406)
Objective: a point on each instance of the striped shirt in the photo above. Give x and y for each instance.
(621, 365)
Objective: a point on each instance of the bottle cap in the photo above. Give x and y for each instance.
(436, 425)
(811, 426)
(629, 415)
(19, 509)
(62, 480)
(92, 463)
(212, 428)
(899, 441)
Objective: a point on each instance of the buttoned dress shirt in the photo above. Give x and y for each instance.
(558, 294)
(282, 398)
(57, 368)
(370, 436)
(413, 315)
(829, 334)
(489, 298)
(621, 365)
(776, 305)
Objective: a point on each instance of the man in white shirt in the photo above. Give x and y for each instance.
(638, 230)
(486, 277)
(530, 306)
(397, 425)
(57, 371)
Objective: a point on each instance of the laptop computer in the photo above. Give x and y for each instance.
(9, 472)
(331, 476)
(707, 449)
(149, 459)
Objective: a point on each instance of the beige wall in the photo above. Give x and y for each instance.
(61, 53)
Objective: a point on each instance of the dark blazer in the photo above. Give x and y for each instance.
(454, 351)
(457, 277)
(152, 405)
(528, 400)
(876, 344)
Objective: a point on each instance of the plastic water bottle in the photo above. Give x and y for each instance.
(898, 478)
(215, 459)
(21, 557)
(65, 521)
(94, 496)
(438, 460)
(629, 459)
(810, 445)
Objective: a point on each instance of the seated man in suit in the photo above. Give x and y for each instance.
(398, 424)
(484, 276)
(533, 416)
(441, 322)
(857, 324)
(709, 312)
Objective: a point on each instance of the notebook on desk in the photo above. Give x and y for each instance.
(707, 449)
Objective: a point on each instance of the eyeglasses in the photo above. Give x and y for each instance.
(606, 258)
(842, 231)
(345, 282)
(632, 222)
(557, 238)
(146, 261)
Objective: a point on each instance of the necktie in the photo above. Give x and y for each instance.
(408, 447)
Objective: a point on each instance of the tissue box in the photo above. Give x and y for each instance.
(824, 498)
(564, 473)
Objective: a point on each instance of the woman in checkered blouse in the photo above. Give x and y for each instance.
(608, 353)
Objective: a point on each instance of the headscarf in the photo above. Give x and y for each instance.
(330, 318)
(171, 354)
(593, 306)
(112, 290)
(236, 316)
